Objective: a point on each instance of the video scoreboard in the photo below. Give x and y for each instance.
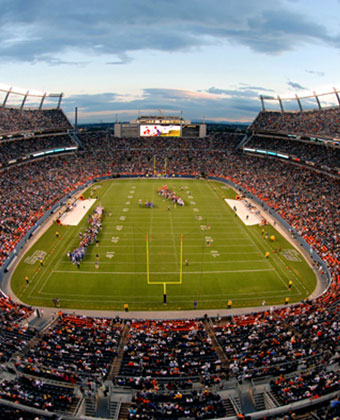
(160, 126)
(160, 130)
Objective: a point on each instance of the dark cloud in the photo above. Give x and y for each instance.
(194, 105)
(96, 102)
(43, 30)
(295, 85)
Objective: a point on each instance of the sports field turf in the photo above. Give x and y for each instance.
(231, 265)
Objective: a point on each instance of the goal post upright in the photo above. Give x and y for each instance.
(181, 262)
(147, 259)
(164, 293)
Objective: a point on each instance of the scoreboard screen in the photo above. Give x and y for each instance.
(156, 130)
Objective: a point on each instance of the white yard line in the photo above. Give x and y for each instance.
(162, 272)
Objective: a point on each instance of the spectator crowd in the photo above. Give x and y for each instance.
(24, 147)
(278, 342)
(325, 122)
(16, 120)
(321, 156)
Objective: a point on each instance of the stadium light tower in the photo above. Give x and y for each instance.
(76, 119)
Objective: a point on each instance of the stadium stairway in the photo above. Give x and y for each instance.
(272, 397)
(48, 322)
(75, 406)
(114, 371)
(114, 407)
(40, 321)
(259, 401)
(217, 346)
(76, 139)
(90, 406)
(124, 411)
(229, 408)
(103, 408)
(246, 139)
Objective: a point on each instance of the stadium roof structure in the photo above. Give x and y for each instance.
(28, 93)
(298, 99)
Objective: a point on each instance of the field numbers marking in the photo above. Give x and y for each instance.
(291, 255)
(36, 256)
(115, 239)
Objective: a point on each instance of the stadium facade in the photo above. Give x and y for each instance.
(160, 126)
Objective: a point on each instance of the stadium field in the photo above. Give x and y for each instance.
(200, 254)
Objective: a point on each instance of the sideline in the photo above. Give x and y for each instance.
(166, 315)
(7, 289)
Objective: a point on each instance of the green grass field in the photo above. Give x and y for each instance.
(232, 267)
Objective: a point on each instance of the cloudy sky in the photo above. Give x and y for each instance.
(115, 59)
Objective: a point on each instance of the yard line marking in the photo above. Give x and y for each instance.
(193, 263)
(170, 246)
(162, 272)
(278, 259)
(92, 298)
(51, 264)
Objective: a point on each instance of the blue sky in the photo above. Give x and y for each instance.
(205, 58)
